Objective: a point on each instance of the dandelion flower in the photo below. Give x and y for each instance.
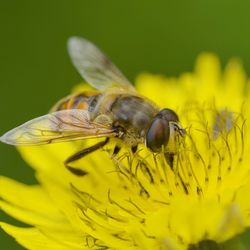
(141, 201)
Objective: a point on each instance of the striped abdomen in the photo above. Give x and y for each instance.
(85, 100)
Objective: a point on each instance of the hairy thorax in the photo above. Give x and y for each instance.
(132, 114)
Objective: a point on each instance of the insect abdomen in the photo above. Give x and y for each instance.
(85, 100)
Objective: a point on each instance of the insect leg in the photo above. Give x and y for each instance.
(80, 155)
(134, 149)
(116, 150)
(170, 160)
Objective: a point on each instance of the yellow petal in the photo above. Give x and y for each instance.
(38, 239)
(30, 204)
(32, 197)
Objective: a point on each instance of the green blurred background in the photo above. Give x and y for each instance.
(160, 36)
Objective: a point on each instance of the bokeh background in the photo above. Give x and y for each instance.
(160, 36)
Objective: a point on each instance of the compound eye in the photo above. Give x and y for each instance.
(158, 134)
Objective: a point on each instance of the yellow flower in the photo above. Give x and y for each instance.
(141, 202)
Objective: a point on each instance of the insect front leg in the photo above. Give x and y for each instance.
(134, 149)
(170, 158)
(80, 155)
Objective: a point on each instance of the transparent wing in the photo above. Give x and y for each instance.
(95, 67)
(65, 125)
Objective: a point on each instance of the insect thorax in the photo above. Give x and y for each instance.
(134, 115)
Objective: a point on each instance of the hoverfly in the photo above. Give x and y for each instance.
(115, 110)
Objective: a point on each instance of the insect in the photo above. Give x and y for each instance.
(114, 110)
